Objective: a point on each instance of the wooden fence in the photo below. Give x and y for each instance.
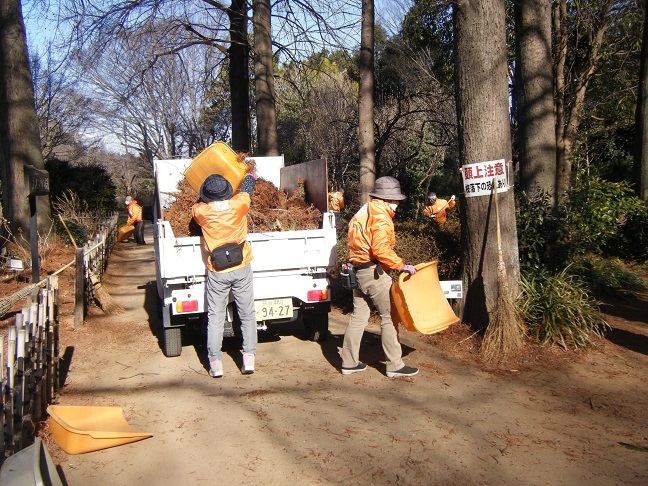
(29, 378)
(29, 352)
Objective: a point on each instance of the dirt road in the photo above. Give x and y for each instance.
(297, 420)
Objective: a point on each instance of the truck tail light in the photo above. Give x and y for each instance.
(317, 295)
(186, 306)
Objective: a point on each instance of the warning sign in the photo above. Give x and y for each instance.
(478, 178)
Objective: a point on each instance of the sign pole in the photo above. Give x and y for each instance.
(33, 239)
(38, 184)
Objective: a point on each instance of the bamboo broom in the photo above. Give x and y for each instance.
(504, 334)
(100, 294)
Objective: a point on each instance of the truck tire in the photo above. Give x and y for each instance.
(172, 341)
(316, 326)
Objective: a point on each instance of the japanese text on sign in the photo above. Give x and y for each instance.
(478, 178)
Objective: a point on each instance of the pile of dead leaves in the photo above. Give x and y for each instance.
(271, 210)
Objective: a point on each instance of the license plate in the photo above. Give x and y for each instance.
(273, 309)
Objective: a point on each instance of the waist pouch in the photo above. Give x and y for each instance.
(227, 255)
(348, 276)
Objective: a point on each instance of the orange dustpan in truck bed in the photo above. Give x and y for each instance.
(419, 303)
(84, 429)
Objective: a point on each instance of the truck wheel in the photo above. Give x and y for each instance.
(172, 341)
(316, 327)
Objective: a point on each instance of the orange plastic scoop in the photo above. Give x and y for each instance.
(419, 303)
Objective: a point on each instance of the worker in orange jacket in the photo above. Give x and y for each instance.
(336, 203)
(436, 208)
(222, 216)
(371, 247)
(135, 219)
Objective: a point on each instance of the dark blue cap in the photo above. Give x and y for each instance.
(215, 188)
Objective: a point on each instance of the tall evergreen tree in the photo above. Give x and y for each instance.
(536, 134)
(20, 145)
(484, 135)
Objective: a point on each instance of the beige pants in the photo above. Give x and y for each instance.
(372, 289)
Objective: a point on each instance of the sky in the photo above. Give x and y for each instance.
(43, 31)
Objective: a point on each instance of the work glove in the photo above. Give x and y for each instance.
(408, 268)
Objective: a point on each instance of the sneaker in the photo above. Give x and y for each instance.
(216, 368)
(404, 371)
(248, 364)
(355, 369)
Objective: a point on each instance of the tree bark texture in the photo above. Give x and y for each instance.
(19, 138)
(266, 110)
(366, 142)
(484, 134)
(641, 154)
(239, 76)
(535, 97)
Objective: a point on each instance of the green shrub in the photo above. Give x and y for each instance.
(558, 309)
(541, 234)
(77, 230)
(91, 183)
(607, 276)
(597, 211)
(631, 242)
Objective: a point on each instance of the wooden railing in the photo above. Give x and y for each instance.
(91, 262)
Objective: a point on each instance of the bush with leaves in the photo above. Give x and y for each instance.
(596, 212)
(542, 234)
(91, 183)
(558, 309)
(631, 242)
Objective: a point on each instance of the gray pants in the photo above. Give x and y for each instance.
(371, 290)
(219, 284)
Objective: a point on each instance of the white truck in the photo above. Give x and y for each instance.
(290, 267)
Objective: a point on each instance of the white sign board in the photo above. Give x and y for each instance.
(169, 173)
(452, 289)
(478, 178)
(269, 168)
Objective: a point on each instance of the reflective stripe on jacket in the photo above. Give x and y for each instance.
(224, 222)
(372, 237)
(134, 213)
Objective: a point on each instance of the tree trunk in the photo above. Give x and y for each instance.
(641, 154)
(366, 142)
(19, 138)
(266, 111)
(568, 122)
(484, 134)
(535, 97)
(239, 76)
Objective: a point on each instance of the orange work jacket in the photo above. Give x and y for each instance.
(439, 209)
(336, 201)
(134, 213)
(372, 237)
(224, 222)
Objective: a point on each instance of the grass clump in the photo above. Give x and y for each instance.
(558, 309)
(608, 277)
